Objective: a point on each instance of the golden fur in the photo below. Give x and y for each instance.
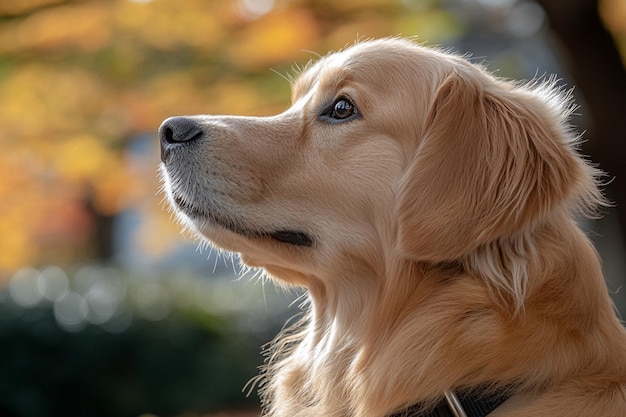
(444, 250)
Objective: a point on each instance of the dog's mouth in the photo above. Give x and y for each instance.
(293, 237)
(189, 209)
(289, 236)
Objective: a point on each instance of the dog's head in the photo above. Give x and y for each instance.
(389, 150)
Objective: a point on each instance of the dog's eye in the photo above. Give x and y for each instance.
(341, 109)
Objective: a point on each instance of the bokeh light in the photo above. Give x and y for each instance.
(100, 294)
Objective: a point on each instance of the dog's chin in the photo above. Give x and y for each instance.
(202, 218)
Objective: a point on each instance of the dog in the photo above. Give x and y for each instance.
(430, 210)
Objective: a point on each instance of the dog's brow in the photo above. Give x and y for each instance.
(299, 104)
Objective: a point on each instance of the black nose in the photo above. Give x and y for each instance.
(177, 130)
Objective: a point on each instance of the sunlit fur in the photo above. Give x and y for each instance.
(446, 249)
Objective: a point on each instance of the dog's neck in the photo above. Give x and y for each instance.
(347, 350)
(370, 345)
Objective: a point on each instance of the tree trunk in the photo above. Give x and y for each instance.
(598, 71)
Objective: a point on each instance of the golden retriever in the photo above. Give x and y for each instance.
(429, 209)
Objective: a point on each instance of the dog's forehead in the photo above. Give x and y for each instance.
(350, 58)
(332, 66)
(370, 63)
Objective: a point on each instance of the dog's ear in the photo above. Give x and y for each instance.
(495, 160)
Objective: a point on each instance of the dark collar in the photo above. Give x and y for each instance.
(474, 403)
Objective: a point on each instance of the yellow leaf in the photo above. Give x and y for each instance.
(278, 37)
(85, 26)
(80, 158)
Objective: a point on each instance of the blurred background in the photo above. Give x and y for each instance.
(105, 309)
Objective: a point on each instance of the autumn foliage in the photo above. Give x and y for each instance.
(80, 79)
